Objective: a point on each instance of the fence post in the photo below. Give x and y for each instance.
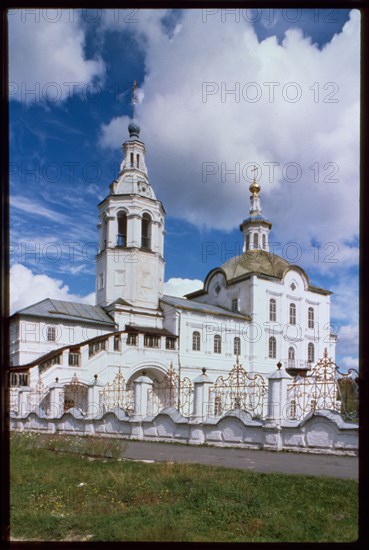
(93, 397)
(56, 399)
(278, 381)
(141, 387)
(200, 395)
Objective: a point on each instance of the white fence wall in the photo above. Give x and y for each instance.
(321, 432)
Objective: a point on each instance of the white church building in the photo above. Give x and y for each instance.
(256, 308)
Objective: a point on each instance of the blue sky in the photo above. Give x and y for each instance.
(219, 91)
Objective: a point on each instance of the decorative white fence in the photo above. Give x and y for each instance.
(117, 395)
(171, 391)
(277, 398)
(324, 388)
(238, 390)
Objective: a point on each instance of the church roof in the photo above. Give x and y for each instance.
(72, 311)
(183, 303)
(255, 261)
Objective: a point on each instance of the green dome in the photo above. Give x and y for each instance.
(255, 261)
(134, 129)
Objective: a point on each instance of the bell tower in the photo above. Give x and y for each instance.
(130, 260)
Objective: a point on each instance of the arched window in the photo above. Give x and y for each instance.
(272, 347)
(217, 344)
(272, 310)
(247, 242)
(310, 317)
(104, 232)
(131, 160)
(146, 232)
(237, 346)
(291, 358)
(292, 314)
(138, 161)
(122, 229)
(256, 240)
(196, 341)
(264, 242)
(311, 353)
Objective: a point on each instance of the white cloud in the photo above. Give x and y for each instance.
(188, 130)
(318, 134)
(27, 289)
(47, 56)
(179, 287)
(350, 362)
(36, 209)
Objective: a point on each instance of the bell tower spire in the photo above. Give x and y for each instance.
(256, 227)
(130, 261)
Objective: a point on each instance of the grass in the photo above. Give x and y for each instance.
(68, 496)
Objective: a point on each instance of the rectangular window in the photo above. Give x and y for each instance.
(95, 347)
(117, 343)
(272, 310)
(151, 341)
(74, 359)
(53, 361)
(132, 340)
(51, 334)
(310, 317)
(23, 380)
(170, 343)
(235, 305)
(217, 344)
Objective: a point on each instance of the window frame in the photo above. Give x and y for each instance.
(217, 344)
(72, 356)
(237, 345)
(273, 310)
(117, 342)
(51, 330)
(292, 314)
(196, 341)
(146, 236)
(131, 339)
(255, 241)
(152, 341)
(311, 316)
(170, 343)
(311, 353)
(272, 347)
(122, 223)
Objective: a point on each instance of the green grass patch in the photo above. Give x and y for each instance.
(61, 491)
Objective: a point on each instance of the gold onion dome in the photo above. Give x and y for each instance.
(255, 188)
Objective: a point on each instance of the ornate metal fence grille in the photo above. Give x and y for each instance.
(325, 388)
(39, 397)
(171, 391)
(75, 395)
(239, 390)
(118, 394)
